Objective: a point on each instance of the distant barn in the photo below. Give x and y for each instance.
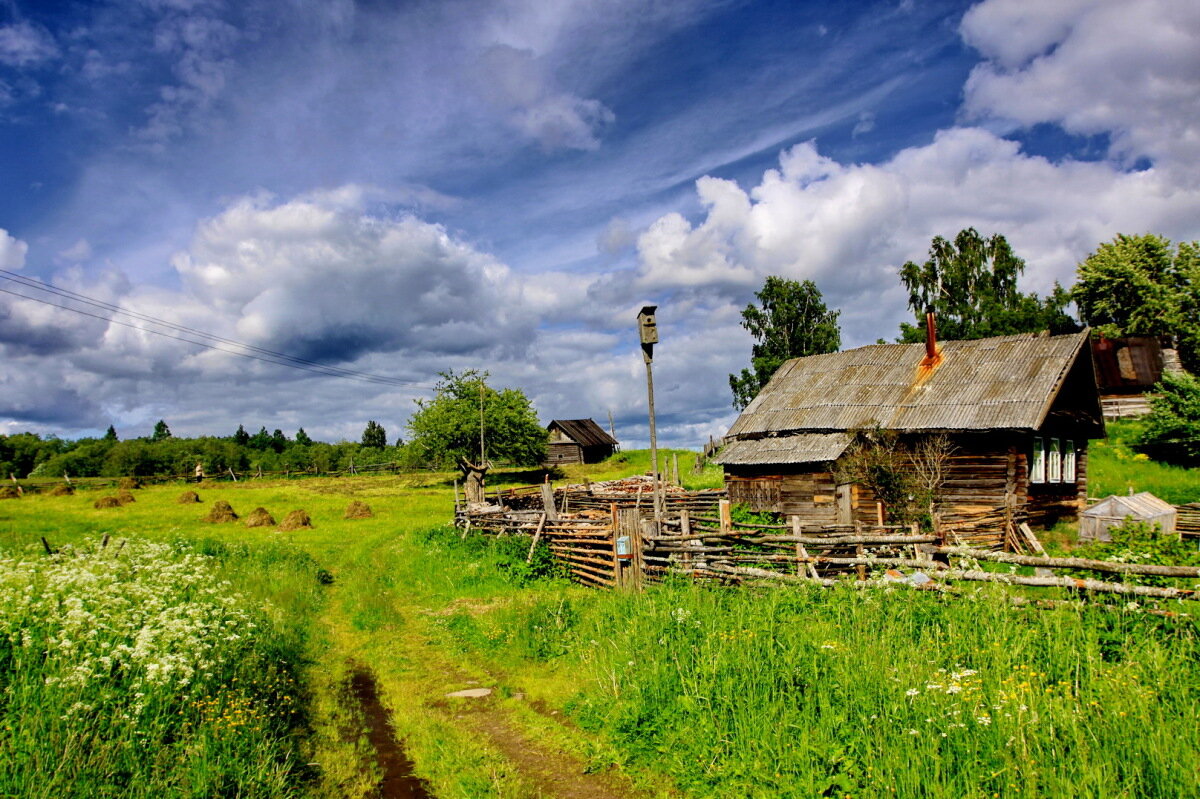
(578, 441)
(1018, 410)
(1127, 370)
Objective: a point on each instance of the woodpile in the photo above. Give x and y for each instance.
(1187, 520)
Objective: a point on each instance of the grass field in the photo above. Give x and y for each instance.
(682, 690)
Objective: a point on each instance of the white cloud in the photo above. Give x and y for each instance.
(79, 251)
(1127, 69)
(12, 251)
(323, 280)
(518, 83)
(850, 227)
(23, 44)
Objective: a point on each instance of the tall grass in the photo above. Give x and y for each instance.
(814, 692)
(1115, 468)
(143, 673)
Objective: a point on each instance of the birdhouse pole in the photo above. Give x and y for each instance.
(648, 332)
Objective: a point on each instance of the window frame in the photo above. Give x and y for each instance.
(1037, 461)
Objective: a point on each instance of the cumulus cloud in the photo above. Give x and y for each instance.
(12, 251)
(850, 227)
(323, 281)
(1112, 67)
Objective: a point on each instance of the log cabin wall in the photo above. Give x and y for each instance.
(563, 452)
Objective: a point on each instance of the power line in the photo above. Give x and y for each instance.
(34, 283)
(267, 356)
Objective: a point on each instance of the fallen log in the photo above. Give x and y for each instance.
(1072, 563)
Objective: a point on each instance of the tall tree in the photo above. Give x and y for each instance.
(1143, 286)
(241, 437)
(161, 431)
(110, 434)
(791, 321)
(446, 429)
(260, 440)
(302, 438)
(279, 441)
(971, 286)
(374, 435)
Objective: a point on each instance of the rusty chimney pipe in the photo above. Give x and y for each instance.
(930, 335)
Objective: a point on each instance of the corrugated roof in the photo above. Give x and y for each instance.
(800, 448)
(994, 383)
(584, 432)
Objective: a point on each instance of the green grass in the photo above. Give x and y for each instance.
(1114, 468)
(700, 691)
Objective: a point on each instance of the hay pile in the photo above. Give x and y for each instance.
(260, 517)
(124, 497)
(128, 484)
(9, 492)
(62, 490)
(221, 511)
(107, 502)
(296, 520)
(358, 510)
(188, 497)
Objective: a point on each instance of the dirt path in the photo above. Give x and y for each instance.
(551, 771)
(398, 780)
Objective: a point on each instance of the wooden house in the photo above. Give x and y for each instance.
(578, 441)
(1017, 410)
(1127, 369)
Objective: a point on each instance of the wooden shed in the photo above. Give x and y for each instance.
(1111, 511)
(1017, 410)
(578, 441)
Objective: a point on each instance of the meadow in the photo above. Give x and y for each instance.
(682, 690)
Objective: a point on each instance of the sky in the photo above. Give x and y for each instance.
(398, 189)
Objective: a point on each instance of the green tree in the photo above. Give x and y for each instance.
(791, 321)
(302, 438)
(279, 441)
(110, 434)
(374, 435)
(161, 431)
(1143, 286)
(446, 427)
(260, 440)
(1171, 430)
(241, 437)
(971, 285)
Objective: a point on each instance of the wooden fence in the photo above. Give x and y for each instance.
(622, 549)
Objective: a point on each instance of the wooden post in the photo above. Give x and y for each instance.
(46, 546)
(726, 518)
(67, 477)
(879, 512)
(548, 502)
(629, 523)
(861, 569)
(685, 529)
(231, 474)
(801, 551)
(456, 497)
(537, 535)
(675, 468)
(616, 562)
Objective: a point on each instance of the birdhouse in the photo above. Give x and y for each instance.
(647, 325)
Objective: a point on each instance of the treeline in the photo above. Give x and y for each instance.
(30, 455)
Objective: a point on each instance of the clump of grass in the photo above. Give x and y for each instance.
(141, 675)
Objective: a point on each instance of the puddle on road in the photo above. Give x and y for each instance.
(398, 780)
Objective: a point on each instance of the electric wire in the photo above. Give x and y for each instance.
(283, 358)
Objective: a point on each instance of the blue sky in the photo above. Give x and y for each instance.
(404, 188)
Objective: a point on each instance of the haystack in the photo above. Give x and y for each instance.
(124, 497)
(188, 498)
(221, 511)
(107, 502)
(296, 520)
(128, 483)
(9, 492)
(260, 517)
(359, 510)
(62, 490)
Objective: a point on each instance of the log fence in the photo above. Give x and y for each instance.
(621, 549)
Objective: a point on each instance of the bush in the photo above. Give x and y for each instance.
(1171, 431)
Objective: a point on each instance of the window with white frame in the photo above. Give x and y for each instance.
(1068, 461)
(1037, 464)
(1054, 461)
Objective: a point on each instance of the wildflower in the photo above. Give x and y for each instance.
(912, 692)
